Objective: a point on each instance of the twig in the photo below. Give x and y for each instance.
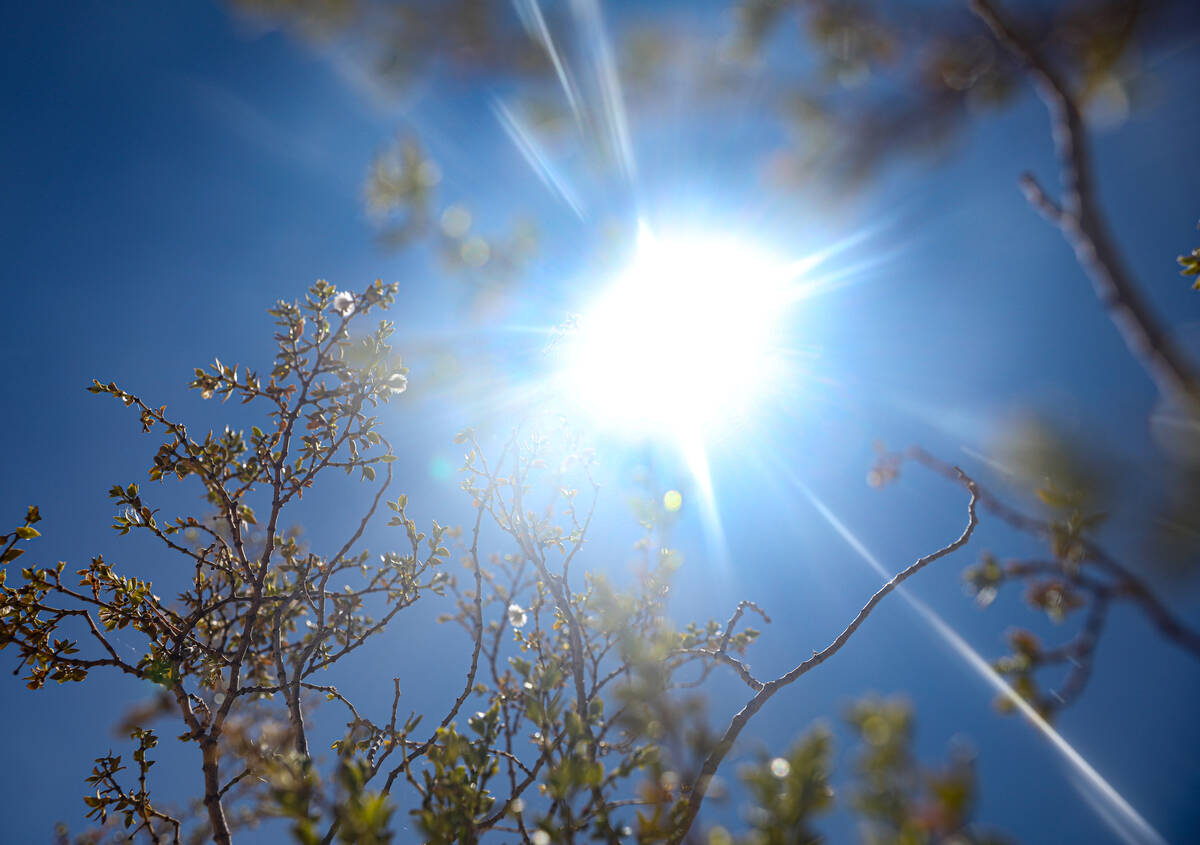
(699, 785)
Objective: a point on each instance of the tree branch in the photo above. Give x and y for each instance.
(1078, 217)
(700, 784)
(1128, 585)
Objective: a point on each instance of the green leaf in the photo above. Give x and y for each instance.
(26, 532)
(1057, 498)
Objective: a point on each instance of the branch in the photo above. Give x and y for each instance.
(1082, 651)
(1128, 584)
(477, 638)
(1078, 217)
(700, 784)
(720, 656)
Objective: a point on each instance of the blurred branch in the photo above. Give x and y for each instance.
(1127, 584)
(1082, 650)
(1078, 217)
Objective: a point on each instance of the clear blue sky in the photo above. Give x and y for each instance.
(169, 173)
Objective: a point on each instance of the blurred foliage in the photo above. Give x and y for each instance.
(787, 791)
(1190, 265)
(401, 192)
(895, 799)
(901, 802)
(1053, 461)
(888, 79)
(869, 81)
(1069, 480)
(399, 41)
(866, 82)
(1173, 542)
(1078, 485)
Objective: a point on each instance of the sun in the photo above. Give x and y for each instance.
(684, 340)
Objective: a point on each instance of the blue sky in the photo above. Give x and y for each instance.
(170, 172)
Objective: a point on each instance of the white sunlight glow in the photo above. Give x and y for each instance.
(683, 340)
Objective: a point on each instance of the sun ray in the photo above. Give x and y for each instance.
(530, 12)
(591, 22)
(696, 456)
(532, 152)
(1101, 796)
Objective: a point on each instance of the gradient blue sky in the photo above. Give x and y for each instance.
(169, 173)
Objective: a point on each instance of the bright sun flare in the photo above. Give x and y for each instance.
(683, 340)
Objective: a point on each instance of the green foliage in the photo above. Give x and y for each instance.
(296, 792)
(897, 800)
(454, 794)
(133, 807)
(24, 532)
(1190, 266)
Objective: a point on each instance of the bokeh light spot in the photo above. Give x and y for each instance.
(441, 469)
(672, 500)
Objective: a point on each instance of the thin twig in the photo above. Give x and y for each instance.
(702, 780)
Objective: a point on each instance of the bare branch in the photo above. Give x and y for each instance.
(702, 780)
(1039, 199)
(1078, 216)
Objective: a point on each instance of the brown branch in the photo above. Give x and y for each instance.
(1077, 216)
(722, 657)
(700, 783)
(291, 690)
(477, 644)
(235, 780)
(212, 790)
(560, 589)
(736, 617)
(1036, 196)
